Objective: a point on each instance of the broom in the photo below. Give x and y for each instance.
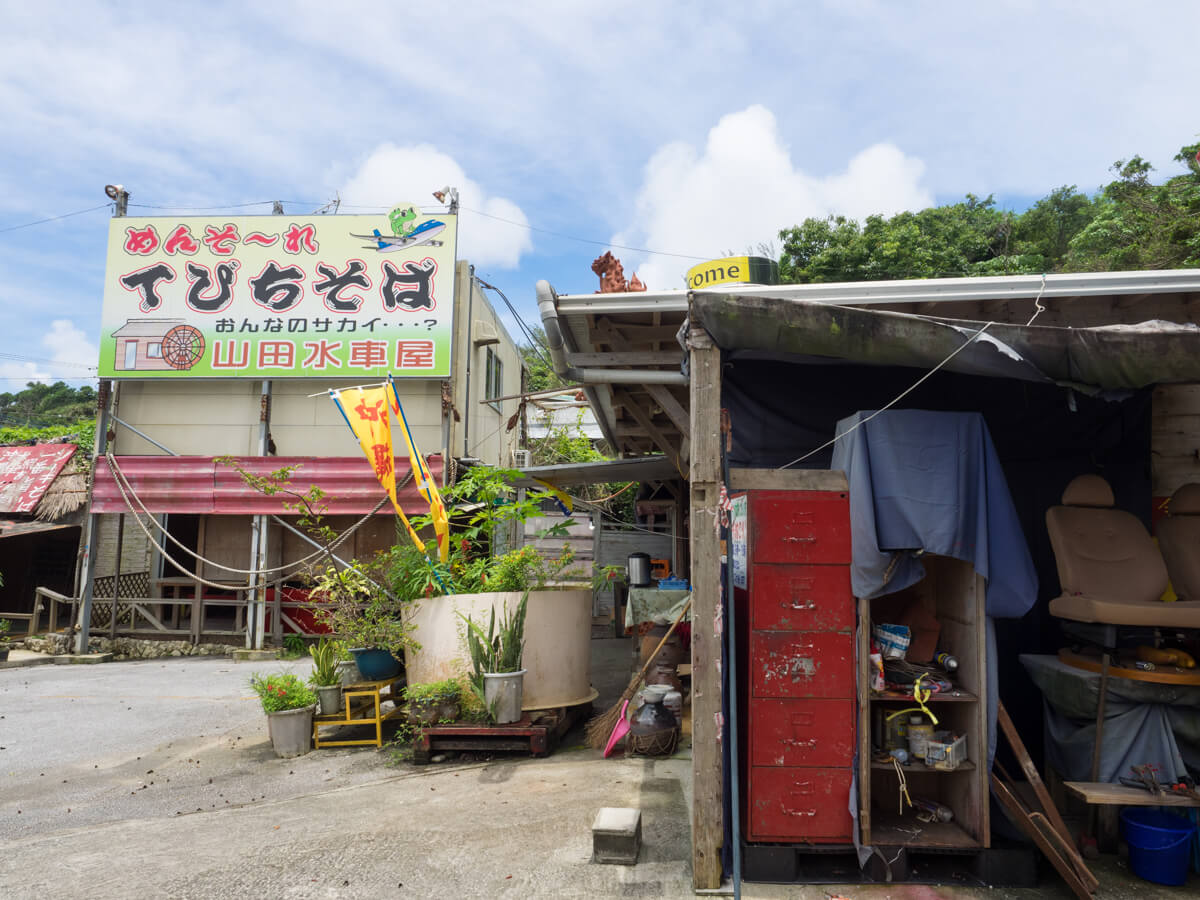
(599, 728)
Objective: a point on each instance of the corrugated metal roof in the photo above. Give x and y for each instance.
(201, 485)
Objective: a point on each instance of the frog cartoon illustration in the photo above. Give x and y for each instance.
(402, 219)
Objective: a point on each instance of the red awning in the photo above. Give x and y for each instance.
(26, 472)
(199, 484)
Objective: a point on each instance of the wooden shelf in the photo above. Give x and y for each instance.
(919, 768)
(891, 830)
(955, 696)
(1103, 793)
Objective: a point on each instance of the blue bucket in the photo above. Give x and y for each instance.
(1159, 844)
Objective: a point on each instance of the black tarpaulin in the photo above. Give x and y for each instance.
(1106, 358)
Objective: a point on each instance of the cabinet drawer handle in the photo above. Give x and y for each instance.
(807, 745)
(802, 667)
(797, 812)
(808, 605)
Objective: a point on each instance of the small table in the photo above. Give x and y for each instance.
(1109, 797)
(361, 705)
(661, 607)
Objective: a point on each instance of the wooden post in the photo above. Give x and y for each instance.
(112, 619)
(708, 825)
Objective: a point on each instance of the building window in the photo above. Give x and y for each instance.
(494, 384)
(154, 351)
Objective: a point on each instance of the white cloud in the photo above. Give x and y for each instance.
(393, 174)
(67, 355)
(70, 346)
(743, 187)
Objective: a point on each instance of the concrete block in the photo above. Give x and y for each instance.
(244, 655)
(617, 836)
(84, 659)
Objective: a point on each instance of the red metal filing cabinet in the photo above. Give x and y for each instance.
(796, 669)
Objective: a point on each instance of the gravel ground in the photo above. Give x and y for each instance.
(85, 745)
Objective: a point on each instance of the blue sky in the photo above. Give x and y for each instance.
(688, 128)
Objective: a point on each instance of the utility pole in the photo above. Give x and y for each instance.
(83, 624)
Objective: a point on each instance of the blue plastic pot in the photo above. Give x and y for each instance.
(1159, 844)
(374, 664)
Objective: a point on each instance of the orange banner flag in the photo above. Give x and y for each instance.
(426, 486)
(366, 412)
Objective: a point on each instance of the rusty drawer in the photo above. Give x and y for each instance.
(800, 527)
(812, 805)
(802, 664)
(802, 732)
(801, 598)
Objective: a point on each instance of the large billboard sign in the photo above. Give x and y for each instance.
(279, 296)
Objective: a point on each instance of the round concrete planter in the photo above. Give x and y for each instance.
(348, 669)
(291, 731)
(558, 642)
(329, 699)
(502, 694)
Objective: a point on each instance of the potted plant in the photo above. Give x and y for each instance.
(435, 702)
(480, 579)
(326, 677)
(367, 618)
(5, 625)
(497, 675)
(289, 706)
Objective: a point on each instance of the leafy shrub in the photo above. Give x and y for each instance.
(282, 691)
(325, 654)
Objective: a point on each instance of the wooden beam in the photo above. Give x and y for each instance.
(640, 333)
(643, 419)
(787, 480)
(672, 407)
(708, 824)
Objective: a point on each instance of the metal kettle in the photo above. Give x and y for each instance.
(637, 569)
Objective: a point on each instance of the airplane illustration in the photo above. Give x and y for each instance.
(422, 234)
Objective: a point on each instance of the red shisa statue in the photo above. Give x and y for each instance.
(612, 276)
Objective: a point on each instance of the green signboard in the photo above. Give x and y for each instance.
(279, 296)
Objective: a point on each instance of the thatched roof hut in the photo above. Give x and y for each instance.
(67, 494)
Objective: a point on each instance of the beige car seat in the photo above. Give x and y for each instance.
(1179, 541)
(1109, 568)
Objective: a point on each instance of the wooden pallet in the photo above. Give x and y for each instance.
(537, 733)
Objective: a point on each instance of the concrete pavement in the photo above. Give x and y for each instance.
(155, 779)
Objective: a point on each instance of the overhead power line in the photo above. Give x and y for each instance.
(78, 212)
(51, 362)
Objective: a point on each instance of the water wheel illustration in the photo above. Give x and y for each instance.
(182, 347)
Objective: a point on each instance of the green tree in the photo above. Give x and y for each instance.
(1141, 225)
(1047, 228)
(539, 374)
(967, 238)
(47, 411)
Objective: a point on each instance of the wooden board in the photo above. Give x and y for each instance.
(522, 736)
(1048, 846)
(1161, 675)
(787, 480)
(1103, 794)
(708, 818)
(1031, 772)
(891, 830)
